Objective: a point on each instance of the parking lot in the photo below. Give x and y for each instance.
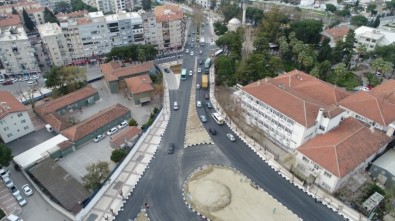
(7, 201)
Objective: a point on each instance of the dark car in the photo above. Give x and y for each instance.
(170, 148)
(209, 105)
(212, 131)
(206, 96)
(167, 70)
(8, 82)
(200, 62)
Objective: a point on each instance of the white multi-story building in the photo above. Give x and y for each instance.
(54, 43)
(16, 53)
(292, 108)
(125, 28)
(103, 5)
(14, 118)
(373, 37)
(36, 15)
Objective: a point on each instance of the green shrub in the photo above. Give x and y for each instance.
(118, 155)
(133, 122)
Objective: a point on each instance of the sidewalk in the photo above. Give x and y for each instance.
(110, 199)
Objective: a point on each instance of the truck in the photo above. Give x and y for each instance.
(205, 81)
(202, 41)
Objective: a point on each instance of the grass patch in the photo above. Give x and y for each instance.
(176, 69)
(350, 81)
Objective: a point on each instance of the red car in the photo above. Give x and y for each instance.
(8, 82)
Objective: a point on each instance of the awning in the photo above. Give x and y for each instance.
(145, 99)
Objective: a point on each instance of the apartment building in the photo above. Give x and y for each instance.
(36, 15)
(54, 43)
(7, 9)
(9, 20)
(14, 118)
(373, 37)
(165, 27)
(125, 28)
(103, 5)
(16, 52)
(292, 108)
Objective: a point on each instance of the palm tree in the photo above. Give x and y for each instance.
(380, 65)
(361, 51)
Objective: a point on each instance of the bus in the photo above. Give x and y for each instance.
(184, 74)
(220, 51)
(218, 118)
(207, 65)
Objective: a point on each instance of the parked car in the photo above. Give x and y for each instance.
(209, 105)
(34, 77)
(170, 148)
(203, 118)
(8, 82)
(8, 182)
(167, 70)
(27, 190)
(4, 173)
(15, 191)
(99, 138)
(2, 80)
(112, 131)
(212, 131)
(199, 104)
(231, 137)
(206, 96)
(21, 200)
(123, 124)
(30, 83)
(199, 70)
(12, 217)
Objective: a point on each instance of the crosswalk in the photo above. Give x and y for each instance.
(168, 58)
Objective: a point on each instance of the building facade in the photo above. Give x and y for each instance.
(16, 52)
(291, 108)
(15, 121)
(54, 43)
(125, 28)
(373, 37)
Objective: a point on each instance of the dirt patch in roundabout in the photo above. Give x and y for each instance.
(221, 193)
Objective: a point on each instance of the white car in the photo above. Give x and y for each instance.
(99, 138)
(2, 80)
(8, 182)
(123, 124)
(21, 200)
(190, 73)
(34, 77)
(31, 83)
(187, 51)
(198, 86)
(192, 53)
(231, 137)
(175, 106)
(112, 131)
(15, 191)
(28, 191)
(4, 173)
(199, 104)
(199, 70)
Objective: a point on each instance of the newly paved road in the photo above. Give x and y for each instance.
(161, 185)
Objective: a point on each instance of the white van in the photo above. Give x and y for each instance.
(12, 217)
(175, 106)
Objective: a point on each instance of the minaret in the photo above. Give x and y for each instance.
(243, 22)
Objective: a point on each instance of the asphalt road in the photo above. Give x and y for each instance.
(161, 185)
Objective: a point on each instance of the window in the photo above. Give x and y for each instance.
(23, 121)
(322, 128)
(305, 159)
(27, 127)
(327, 174)
(9, 135)
(6, 128)
(20, 114)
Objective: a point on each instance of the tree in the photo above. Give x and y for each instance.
(49, 16)
(376, 22)
(271, 25)
(63, 7)
(64, 79)
(330, 8)
(261, 44)
(371, 7)
(78, 5)
(14, 11)
(146, 5)
(325, 53)
(220, 28)
(254, 14)
(390, 5)
(348, 47)
(224, 70)
(5, 156)
(229, 11)
(118, 154)
(343, 13)
(28, 21)
(386, 52)
(307, 30)
(340, 72)
(97, 173)
(359, 20)
(382, 66)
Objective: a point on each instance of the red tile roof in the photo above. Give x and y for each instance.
(65, 100)
(9, 104)
(344, 148)
(95, 122)
(139, 84)
(378, 104)
(65, 144)
(57, 121)
(10, 20)
(338, 32)
(168, 13)
(298, 96)
(112, 71)
(126, 135)
(75, 14)
(34, 10)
